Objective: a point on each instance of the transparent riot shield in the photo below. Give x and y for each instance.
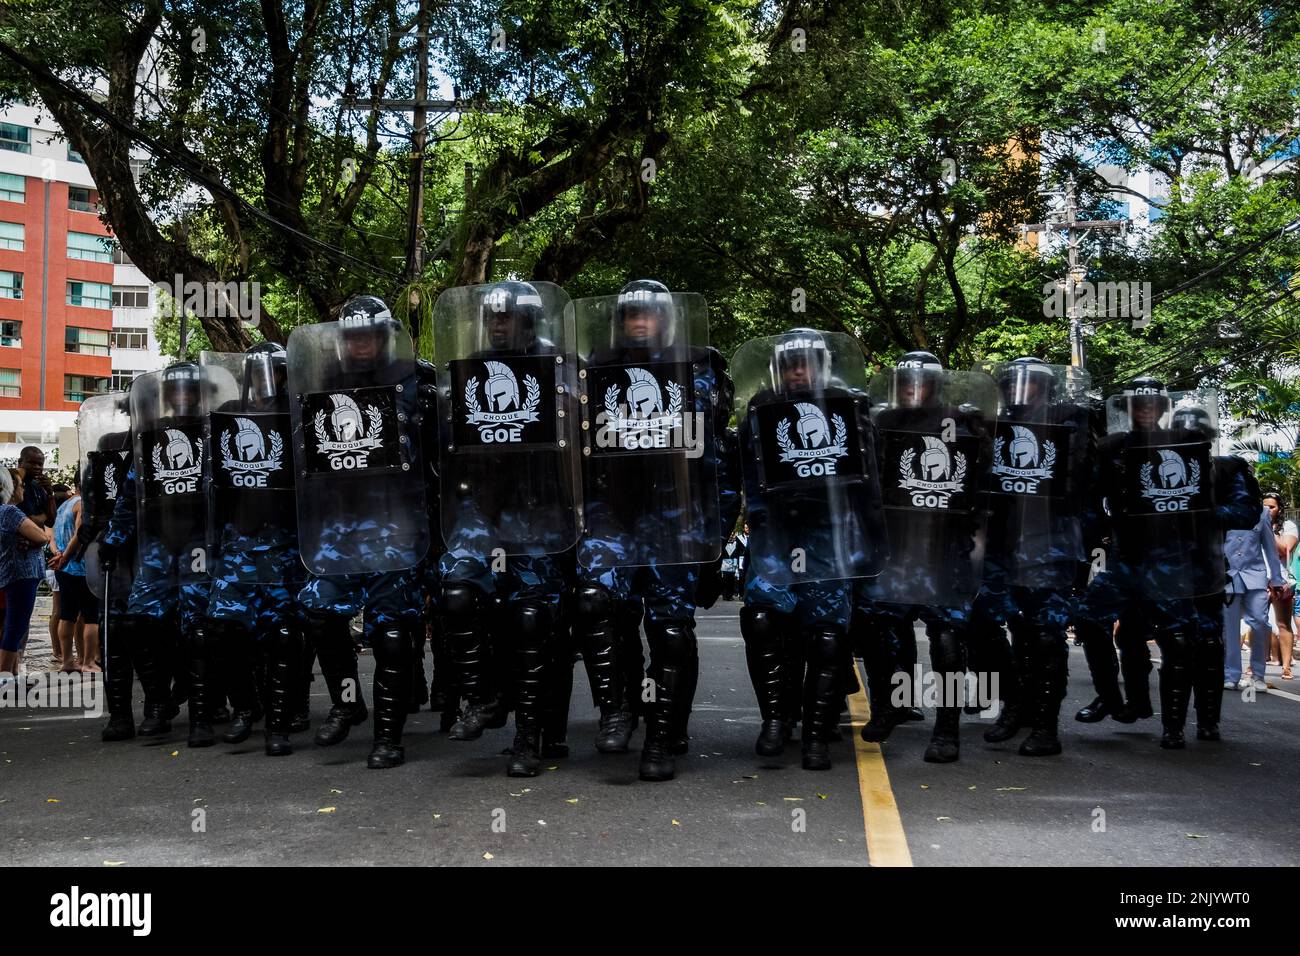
(354, 402)
(812, 489)
(104, 437)
(935, 438)
(509, 436)
(650, 478)
(1041, 464)
(248, 472)
(1161, 495)
(167, 420)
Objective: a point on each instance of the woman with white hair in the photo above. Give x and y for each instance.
(21, 567)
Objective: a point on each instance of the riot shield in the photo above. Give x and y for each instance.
(650, 479)
(167, 422)
(812, 491)
(508, 389)
(104, 437)
(354, 403)
(1161, 496)
(935, 438)
(1041, 464)
(248, 472)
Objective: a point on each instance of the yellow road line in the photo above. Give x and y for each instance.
(886, 841)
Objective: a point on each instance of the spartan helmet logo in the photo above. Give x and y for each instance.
(346, 419)
(935, 461)
(814, 430)
(248, 440)
(1173, 470)
(643, 395)
(180, 451)
(502, 388)
(1024, 448)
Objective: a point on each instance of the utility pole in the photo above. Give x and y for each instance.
(414, 246)
(1066, 221)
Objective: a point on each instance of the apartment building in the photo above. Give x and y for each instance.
(76, 318)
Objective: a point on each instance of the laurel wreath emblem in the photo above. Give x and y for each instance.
(373, 416)
(673, 389)
(905, 466)
(1049, 453)
(1193, 479)
(532, 395)
(787, 443)
(229, 461)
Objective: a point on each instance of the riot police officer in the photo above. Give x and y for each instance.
(1168, 512)
(510, 498)
(253, 559)
(814, 513)
(363, 530)
(1042, 459)
(934, 446)
(657, 404)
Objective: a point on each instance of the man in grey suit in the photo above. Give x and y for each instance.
(1254, 573)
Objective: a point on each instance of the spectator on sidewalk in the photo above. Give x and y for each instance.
(1254, 573)
(1285, 537)
(22, 565)
(76, 601)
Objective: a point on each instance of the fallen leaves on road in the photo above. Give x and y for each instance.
(114, 862)
(327, 809)
(488, 856)
(1009, 789)
(52, 800)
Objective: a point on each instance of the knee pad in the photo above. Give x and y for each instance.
(390, 643)
(594, 603)
(946, 650)
(760, 626)
(1176, 647)
(672, 642)
(459, 600)
(823, 646)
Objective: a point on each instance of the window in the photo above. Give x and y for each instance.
(85, 246)
(74, 156)
(15, 137)
(11, 334)
(120, 258)
(10, 382)
(120, 381)
(86, 341)
(133, 338)
(90, 295)
(81, 199)
(130, 297)
(77, 388)
(12, 236)
(11, 285)
(13, 188)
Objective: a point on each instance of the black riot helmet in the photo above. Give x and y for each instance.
(1194, 418)
(800, 361)
(1147, 402)
(181, 390)
(265, 376)
(644, 316)
(511, 313)
(917, 378)
(1027, 381)
(367, 337)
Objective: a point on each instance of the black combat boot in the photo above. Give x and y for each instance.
(235, 652)
(595, 626)
(201, 664)
(282, 673)
(419, 687)
(878, 659)
(533, 634)
(1175, 688)
(1103, 665)
(463, 623)
(1048, 679)
(670, 650)
(1207, 673)
(303, 678)
(825, 650)
(392, 692)
(558, 691)
(118, 679)
(946, 659)
(1135, 665)
(332, 639)
(152, 658)
(763, 636)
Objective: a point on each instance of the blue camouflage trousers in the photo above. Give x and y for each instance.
(167, 584)
(386, 598)
(256, 580)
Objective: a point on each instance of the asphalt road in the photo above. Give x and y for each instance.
(1113, 798)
